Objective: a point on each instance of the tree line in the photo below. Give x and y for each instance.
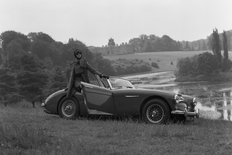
(207, 65)
(34, 65)
(153, 43)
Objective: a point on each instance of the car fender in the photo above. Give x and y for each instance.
(53, 101)
(166, 100)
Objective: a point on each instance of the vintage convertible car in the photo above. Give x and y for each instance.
(115, 96)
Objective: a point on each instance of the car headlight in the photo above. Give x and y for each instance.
(194, 101)
(43, 104)
(178, 98)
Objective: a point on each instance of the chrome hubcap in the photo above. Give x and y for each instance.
(155, 113)
(68, 108)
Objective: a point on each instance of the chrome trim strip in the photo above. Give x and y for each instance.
(131, 96)
(88, 86)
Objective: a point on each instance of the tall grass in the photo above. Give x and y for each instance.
(23, 139)
(22, 136)
(30, 131)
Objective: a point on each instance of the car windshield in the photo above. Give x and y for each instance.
(118, 83)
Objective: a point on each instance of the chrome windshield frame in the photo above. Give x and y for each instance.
(108, 80)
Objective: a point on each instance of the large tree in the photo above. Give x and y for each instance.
(14, 45)
(9, 36)
(225, 46)
(33, 36)
(8, 88)
(1, 57)
(215, 45)
(31, 80)
(226, 62)
(58, 80)
(45, 47)
(111, 42)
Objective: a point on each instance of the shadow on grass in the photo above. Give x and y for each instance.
(134, 119)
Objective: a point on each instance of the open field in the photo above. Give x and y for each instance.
(30, 131)
(166, 60)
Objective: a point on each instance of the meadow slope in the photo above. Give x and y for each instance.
(31, 131)
(166, 60)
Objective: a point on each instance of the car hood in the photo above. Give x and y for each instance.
(145, 91)
(142, 91)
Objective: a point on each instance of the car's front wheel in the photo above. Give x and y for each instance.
(68, 108)
(156, 111)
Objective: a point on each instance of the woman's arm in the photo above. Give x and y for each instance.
(93, 70)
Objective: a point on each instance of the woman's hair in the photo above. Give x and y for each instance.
(76, 52)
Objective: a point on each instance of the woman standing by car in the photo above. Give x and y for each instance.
(80, 73)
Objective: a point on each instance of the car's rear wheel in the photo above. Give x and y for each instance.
(68, 108)
(156, 111)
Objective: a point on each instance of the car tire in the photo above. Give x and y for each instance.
(156, 111)
(68, 108)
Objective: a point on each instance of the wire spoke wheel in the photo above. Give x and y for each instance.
(155, 113)
(68, 108)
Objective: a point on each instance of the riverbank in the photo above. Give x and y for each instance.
(31, 131)
(220, 77)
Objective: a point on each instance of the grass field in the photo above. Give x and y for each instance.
(166, 60)
(31, 131)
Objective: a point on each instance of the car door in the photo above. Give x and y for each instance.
(99, 100)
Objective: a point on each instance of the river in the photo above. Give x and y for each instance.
(214, 99)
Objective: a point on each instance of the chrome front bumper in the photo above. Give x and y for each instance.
(186, 113)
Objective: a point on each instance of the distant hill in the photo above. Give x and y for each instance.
(153, 43)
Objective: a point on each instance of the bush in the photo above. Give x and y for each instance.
(155, 65)
(185, 67)
(124, 66)
(202, 64)
(207, 64)
(227, 65)
(103, 65)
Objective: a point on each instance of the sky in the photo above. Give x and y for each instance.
(95, 21)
